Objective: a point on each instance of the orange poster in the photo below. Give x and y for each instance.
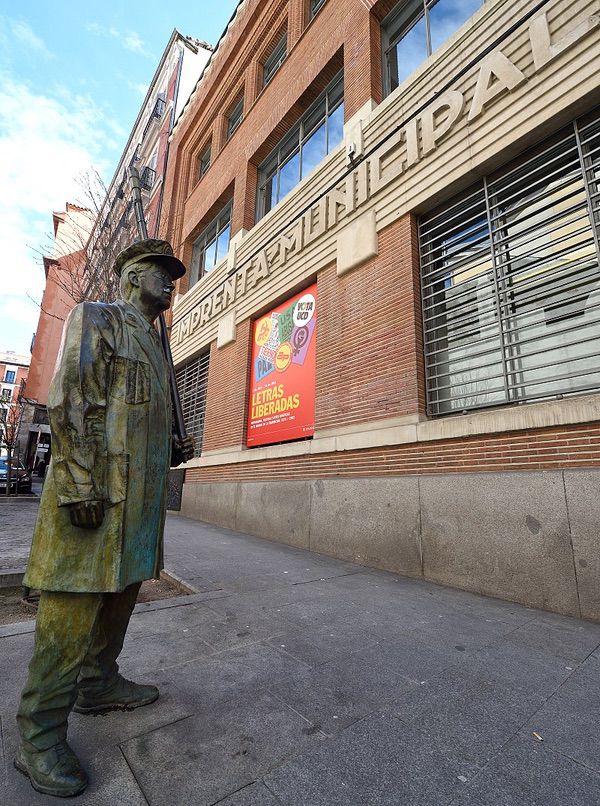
(282, 379)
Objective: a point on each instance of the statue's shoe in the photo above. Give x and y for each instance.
(123, 695)
(55, 771)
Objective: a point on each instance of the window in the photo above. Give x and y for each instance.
(318, 132)
(6, 394)
(212, 245)
(315, 6)
(414, 29)
(156, 114)
(204, 161)
(9, 377)
(275, 60)
(147, 179)
(149, 173)
(511, 281)
(234, 118)
(192, 383)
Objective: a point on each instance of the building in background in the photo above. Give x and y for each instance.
(147, 149)
(388, 342)
(87, 239)
(66, 283)
(14, 369)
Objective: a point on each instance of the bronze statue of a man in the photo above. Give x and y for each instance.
(102, 511)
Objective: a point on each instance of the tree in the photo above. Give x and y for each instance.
(12, 414)
(87, 238)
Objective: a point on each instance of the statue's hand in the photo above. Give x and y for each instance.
(87, 514)
(186, 447)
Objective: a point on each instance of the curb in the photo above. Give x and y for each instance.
(11, 577)
(177, 582)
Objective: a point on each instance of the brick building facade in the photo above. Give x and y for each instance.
(14, 369)
(434, 169)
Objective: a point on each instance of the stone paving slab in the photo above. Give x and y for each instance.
(292, 679)
(17, 519)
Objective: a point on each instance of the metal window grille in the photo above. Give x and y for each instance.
(156, 114)
(275, 59)
(315, 5)
(293, 157)
(511, 282)
(234, 118)
(192, 382)
(204, 161)
(147, 178)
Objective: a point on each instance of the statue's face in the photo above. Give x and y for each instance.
(156, 285)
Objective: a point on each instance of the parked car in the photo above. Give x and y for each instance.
(19, 474)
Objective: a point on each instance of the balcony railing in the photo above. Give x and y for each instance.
(156, 114)
(147, 178)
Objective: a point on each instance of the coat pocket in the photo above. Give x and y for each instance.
(132, 380)
(117, 477)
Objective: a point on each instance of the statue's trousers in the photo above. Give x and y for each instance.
(78, 638)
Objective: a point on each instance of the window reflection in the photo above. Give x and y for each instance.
(313, 150)
(511, 283)
(289, 176)
(317, 133)
(212, 245)
(414, 29)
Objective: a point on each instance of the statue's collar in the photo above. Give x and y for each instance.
(134, 317)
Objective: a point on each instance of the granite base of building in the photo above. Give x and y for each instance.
(526, 537)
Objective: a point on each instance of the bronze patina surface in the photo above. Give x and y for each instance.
(101, 517)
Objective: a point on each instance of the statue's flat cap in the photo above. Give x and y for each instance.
(151, 249)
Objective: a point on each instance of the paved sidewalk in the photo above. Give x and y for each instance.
(17, 519)
(297, 680)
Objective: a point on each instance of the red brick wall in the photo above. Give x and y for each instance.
(227, 393)
(369, 335)
(543, 449)
(346, 30)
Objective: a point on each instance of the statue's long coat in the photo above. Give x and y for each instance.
(110, 415)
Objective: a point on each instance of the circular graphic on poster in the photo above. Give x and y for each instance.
(300, 337)
(304, 310)
(263, 331)
(283, 356)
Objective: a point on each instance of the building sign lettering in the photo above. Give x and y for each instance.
(401, 152)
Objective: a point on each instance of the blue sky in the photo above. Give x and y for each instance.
(72, 78)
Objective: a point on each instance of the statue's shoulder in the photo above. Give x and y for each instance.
(100, 313)
(105, 319)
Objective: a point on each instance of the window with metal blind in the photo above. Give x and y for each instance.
(275, 59)
(235, 116)
(511, 282)
(314, 7)
(192, 382)
(204, 160)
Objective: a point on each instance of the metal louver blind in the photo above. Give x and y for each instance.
(192, 382)
(511, 283)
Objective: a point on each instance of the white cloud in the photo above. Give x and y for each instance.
(130, 41)
(133, 42)
(46, 143)
(140, 88)
(24, 35)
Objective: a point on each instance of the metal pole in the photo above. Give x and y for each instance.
(162, 325)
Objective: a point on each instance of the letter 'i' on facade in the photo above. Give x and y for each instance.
(436, 211)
